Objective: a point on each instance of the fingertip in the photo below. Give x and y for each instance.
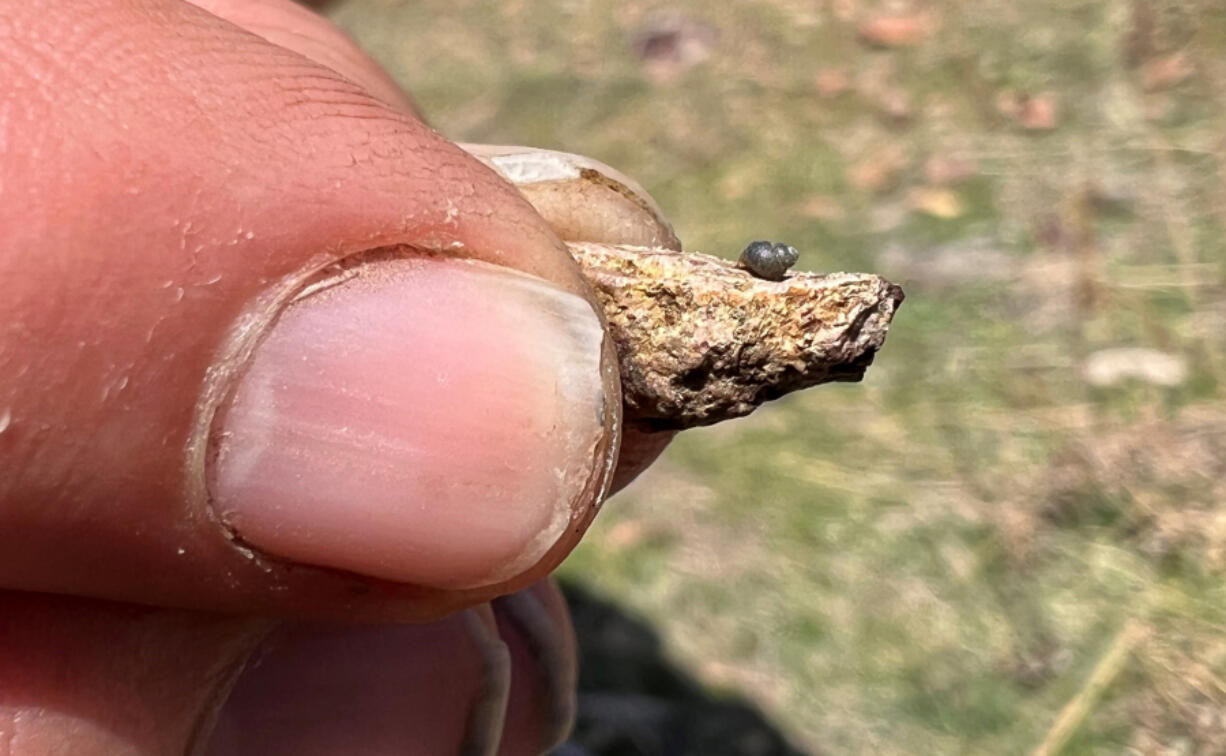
(424, 421)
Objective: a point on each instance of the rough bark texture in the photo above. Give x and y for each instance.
(701, 340)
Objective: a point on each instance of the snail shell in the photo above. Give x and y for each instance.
(768, 261)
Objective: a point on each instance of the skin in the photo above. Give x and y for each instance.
(137, 137)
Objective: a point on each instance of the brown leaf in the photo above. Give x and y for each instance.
(936, 201)
(895, 30)
(945, 170)
(626, 535)
(895, 104)
(831, 82)
(821, 207)
(670, 43)
(879, 171)
(1166, 72)
(1033, 112)
(1040, 113)
(844, 10)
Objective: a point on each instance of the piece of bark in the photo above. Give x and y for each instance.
(700, 340)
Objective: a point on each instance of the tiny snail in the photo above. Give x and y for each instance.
(768, 261)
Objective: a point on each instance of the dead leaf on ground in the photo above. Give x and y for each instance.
(878, 86)
(1166, 72)
(937, 201)
(1039, 111)
(895, 30)
(625, 535)
(844, 10)
(879, 171)
(671, 43)
(947, 170)
(821, 207)
(894, 104)
(831, 82)
(740, 181)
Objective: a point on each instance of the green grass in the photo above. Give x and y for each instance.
(935, 559)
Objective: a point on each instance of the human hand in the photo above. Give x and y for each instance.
(274, 349)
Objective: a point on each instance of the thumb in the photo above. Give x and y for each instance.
(268, 342)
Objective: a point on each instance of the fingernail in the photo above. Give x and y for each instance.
(425, 421)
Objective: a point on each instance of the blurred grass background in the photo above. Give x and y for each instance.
(1019, 517)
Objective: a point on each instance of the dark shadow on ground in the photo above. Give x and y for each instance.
(635, 702)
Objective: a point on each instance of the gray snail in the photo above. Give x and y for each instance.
(768, 261)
